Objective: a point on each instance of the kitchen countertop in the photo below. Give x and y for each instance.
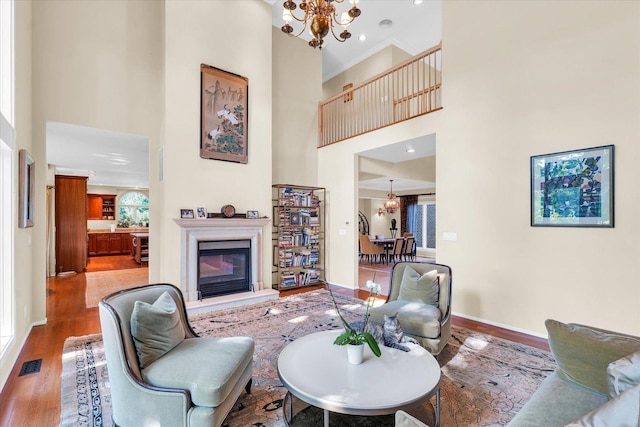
(118, 230)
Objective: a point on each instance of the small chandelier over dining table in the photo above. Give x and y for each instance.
(392, 204)
(320, 15)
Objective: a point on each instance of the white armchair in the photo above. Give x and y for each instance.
(195, 383)
(421, 295)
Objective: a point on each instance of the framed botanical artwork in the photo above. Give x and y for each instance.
(573, 188)
(223, 115)
(26, 189)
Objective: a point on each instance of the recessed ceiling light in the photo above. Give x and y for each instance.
(362, 37)
(411, 150)
(417, 1)
(385, 23)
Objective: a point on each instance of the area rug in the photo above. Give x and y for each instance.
(485, 380)
(103, 283)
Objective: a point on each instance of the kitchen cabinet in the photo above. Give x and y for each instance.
(101, 206)
(71, 223)
(92, 244)
(115, 244)
(109, 243)
(102, 244)
(141, 247)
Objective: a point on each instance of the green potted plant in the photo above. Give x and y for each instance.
(356, 337)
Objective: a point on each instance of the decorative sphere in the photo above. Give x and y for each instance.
(319, 26)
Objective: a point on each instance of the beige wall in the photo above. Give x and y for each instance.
(377, 224)
(375, 64)
(531, 93)
(509, 92)
(204, 32)
(25, 267)
(297, 89)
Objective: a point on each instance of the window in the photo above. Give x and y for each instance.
(424, 227)
(7, 189)
(134, 209)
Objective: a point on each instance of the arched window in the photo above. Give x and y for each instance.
(133, 210)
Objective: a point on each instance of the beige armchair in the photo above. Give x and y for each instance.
(405, 420)
(195, 383)
(421, 295)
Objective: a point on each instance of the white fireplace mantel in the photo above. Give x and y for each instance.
(212, 229)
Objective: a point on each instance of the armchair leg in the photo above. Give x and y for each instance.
(247, 387)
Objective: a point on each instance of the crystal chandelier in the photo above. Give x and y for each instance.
(392, 204)
(320, 15)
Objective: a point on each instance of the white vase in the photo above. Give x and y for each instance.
(355, 353)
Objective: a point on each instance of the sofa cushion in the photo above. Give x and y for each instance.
(208, 367)
(583, 352)
(156, 328)
(419, 288)
(556, 403)
(621, 411)
(416, 318)
(623, 374)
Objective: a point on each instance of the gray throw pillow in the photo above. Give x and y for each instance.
(623, 374)
(423, 288)
(156, 328)
(583, 352)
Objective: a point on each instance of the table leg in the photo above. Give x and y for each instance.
(290, 406)
(438, 407)
(326, 418)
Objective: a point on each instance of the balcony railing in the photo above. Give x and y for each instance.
(408, 90)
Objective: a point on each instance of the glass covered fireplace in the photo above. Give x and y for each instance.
(224, 267)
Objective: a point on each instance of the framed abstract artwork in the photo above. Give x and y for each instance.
(573, 188)
(223, 115)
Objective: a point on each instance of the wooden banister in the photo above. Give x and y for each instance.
(409, 89)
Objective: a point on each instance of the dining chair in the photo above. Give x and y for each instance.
(369, 249)
(408, 252)
(398, 248)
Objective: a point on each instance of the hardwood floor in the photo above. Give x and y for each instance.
(34, 399)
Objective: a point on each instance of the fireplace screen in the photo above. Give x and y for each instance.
(224, 267)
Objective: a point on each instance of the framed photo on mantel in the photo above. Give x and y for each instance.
(573, 188)
(223, 115)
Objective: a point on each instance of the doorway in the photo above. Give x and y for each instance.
(411, 164)
(113, 164)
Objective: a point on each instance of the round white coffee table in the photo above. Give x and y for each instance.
(316, 371)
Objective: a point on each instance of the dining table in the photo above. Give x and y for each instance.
(387, 244)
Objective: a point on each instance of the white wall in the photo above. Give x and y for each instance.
(208, 32)
(540, 77)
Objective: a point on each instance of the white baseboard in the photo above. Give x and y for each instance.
(12, 363)
(500, 325)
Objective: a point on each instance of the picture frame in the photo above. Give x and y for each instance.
(223, 115)
(252, 214)
(294, 218)
(202, 213)
(573, 188)
(26, 189)
(186, 214)
(348, 96)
